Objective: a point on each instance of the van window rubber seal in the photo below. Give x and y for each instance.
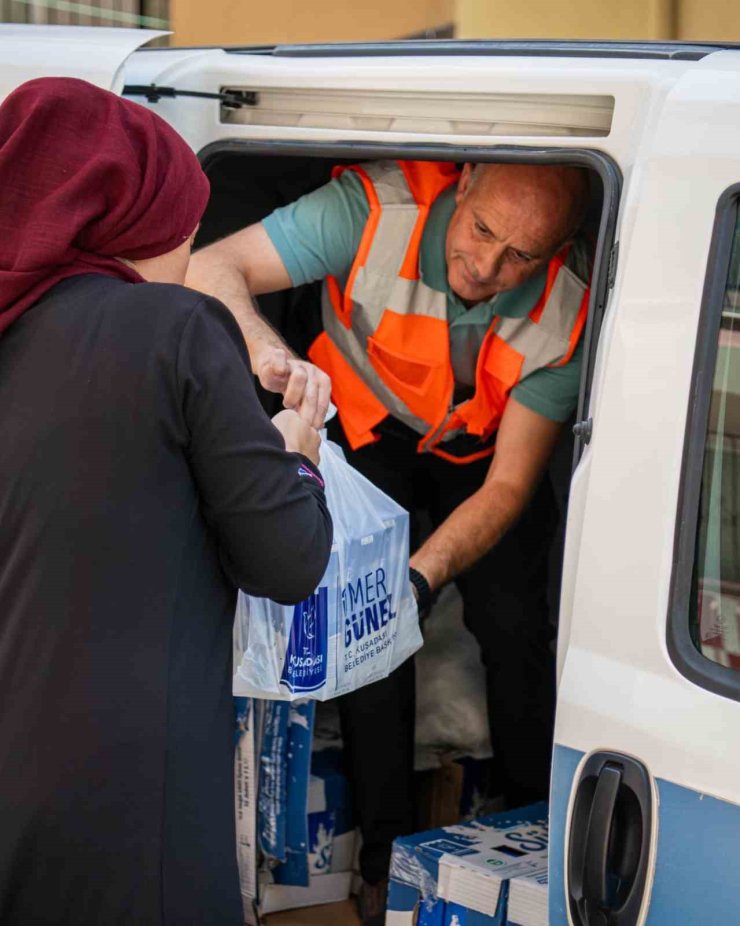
(689, 661)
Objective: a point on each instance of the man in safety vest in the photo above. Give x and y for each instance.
(452, 306)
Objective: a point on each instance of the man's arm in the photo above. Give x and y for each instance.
(523, 446)
(233, 270)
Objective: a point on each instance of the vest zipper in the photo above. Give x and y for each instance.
(436, 432)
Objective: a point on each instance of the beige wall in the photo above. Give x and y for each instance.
(234, 22)
(709, 19)
(599, 19)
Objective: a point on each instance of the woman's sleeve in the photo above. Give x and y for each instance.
(266, 506)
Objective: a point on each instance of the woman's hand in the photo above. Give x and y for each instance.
(299, 437)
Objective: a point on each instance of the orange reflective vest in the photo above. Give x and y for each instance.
(385, 342)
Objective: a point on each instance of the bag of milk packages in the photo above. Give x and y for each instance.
(361, 622)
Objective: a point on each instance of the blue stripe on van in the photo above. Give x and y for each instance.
(697, 877)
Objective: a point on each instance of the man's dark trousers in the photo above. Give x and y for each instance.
(505, 607)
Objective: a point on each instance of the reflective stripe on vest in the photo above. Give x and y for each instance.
(386, 337)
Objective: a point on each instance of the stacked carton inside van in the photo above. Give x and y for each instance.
(463, 875)
(528, 899)
(295, 834)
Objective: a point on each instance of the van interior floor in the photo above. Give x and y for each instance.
(333, 914)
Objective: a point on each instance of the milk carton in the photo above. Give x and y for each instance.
(295, 834)
(528, 898)
(461, 874)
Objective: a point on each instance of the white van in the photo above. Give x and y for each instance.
(645, 801)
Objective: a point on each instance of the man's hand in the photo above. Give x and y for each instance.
(247, 264)
(524, 443)
(304, 387)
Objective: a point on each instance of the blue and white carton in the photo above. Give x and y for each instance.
(460, 875)
(295, 835)
(528, 898)
(331, 829)
(245, 804)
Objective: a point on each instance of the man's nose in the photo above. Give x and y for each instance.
(487, 261)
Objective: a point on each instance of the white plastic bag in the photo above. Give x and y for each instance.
(451, 712)
(359, 625)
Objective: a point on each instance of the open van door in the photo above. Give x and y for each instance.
(91, 53)
(645, 797)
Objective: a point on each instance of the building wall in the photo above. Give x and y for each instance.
(232, 22)
(599, 19)
(152, 14)
(235, 22)
(709, 19)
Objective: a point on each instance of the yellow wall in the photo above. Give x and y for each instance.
(234, 22)
(599, 19)
(709, 19)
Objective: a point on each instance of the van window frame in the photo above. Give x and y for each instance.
(689, 661)
(607, 248)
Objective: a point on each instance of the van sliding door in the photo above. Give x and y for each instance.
(645, 815)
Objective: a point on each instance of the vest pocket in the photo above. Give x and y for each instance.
(424, 386)
(399, 369)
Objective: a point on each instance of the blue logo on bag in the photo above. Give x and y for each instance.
(305, 659)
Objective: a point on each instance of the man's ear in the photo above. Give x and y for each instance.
(463, 184)
(568, 243)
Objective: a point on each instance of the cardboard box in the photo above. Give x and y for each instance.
(245, 800)
(295, 834)
(457, 915)
(321, 889)
(528, 898)
(330, 831)
(457, 789)
(459, 875)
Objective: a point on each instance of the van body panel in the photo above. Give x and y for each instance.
(695, 878)
(618, 687)
(633, 84)
(621, 573)
(91, 53)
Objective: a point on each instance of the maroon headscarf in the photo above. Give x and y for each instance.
(86, 177)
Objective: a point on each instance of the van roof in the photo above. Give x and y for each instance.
(687, 51)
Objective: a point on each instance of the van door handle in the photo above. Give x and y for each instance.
(609, 845)
(598, 833)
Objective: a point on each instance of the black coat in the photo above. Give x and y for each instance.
(140, 484)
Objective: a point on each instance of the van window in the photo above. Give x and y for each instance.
(714, 611)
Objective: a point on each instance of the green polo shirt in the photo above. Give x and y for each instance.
(318, 235)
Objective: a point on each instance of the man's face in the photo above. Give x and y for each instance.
(501, 233)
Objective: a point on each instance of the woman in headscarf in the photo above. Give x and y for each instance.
(140, 485)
